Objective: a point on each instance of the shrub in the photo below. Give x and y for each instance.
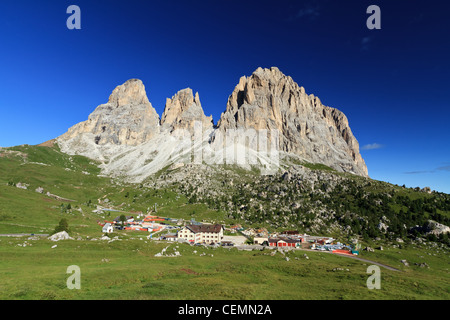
(62, 226)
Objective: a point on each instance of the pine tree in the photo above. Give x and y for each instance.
(62, 226)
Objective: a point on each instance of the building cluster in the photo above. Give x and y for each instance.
(291, 239)
(194, 233)
(199, 233)
(148, 223)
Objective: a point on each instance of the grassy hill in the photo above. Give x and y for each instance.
(77, 179)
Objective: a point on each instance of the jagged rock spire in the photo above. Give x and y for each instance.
(183, 110)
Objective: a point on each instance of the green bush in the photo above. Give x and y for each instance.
(62, 226)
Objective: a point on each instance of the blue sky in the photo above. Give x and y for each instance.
(391, 83)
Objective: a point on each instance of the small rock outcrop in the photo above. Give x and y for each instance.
(433, 227)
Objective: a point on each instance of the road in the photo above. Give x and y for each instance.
(23, 235)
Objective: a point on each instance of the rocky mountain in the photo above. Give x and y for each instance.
(128, 136)
(269, 100)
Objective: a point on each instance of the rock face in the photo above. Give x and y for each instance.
(272, 101)
(127, 119)
(182, 111)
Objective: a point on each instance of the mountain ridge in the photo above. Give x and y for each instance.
(267, 102)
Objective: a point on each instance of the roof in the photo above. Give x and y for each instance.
(274, 240)
(215, 228)
(290, 240)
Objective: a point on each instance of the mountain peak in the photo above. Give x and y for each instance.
(128, 118)
(270, 100)
(132, 92)
(272, 70)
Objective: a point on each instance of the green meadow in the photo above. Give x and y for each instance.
(128, 269)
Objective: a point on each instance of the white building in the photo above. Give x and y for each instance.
(108, 228)
(261, 240)
(205, 233)
(169, 237)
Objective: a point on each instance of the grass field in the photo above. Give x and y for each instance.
(128, 269)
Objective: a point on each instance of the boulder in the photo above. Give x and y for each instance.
(63, 235)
